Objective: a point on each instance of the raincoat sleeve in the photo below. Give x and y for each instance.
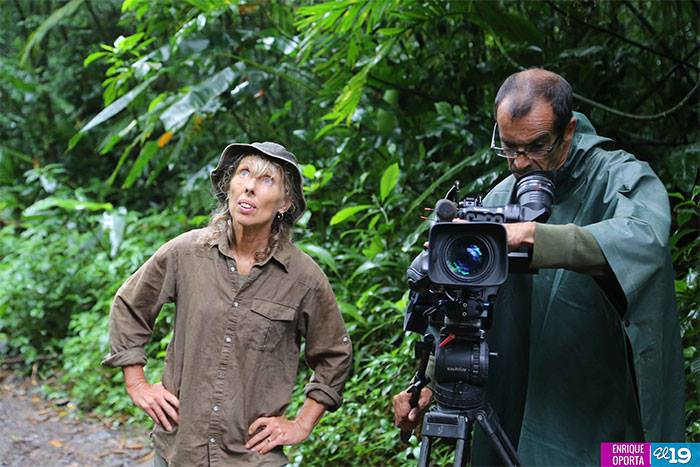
(633, 235)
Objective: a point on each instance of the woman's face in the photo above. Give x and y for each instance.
(256, 193)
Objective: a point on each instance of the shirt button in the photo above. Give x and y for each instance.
(212, 440)
(227, 339)
(233, 268)
(215, 408)
(235, 304)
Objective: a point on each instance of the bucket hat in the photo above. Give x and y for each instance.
(275, 151)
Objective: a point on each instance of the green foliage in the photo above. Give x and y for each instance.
(685, 249)
(114, 113)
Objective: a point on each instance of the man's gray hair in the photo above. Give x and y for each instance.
(527, 87)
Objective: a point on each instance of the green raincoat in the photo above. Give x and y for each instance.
(578, 366)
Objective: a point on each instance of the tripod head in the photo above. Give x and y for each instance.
(462, 354)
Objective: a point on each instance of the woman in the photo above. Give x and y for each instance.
(245, 296)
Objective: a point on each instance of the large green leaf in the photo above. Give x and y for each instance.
(389, 179)
(513, 26)
(63, 203)
(117, 106)
(345, 213)
(320, 253)
(54, 19)
(147, 152)
(445, 178)
(196, 99)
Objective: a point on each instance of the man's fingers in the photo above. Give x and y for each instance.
(401, 407)
(426, 395)
(413, 414)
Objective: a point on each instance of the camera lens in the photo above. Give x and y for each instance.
(467, 257)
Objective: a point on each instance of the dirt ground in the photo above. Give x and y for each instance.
(37, 432)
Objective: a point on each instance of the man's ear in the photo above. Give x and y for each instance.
(570, 129)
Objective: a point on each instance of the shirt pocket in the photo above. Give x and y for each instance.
(270, 324)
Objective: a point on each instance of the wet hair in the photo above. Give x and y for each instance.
(525, 88)
(221, 220)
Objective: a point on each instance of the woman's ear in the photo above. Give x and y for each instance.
(287, 202)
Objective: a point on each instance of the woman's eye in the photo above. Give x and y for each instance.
(267, 180)
(244, 172)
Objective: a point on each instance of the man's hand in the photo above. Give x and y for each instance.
(159, 403)
(407, 417)
(520, 234)
(270, 432)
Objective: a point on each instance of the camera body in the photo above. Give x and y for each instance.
(474, 253)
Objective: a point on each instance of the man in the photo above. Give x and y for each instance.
(588, 349)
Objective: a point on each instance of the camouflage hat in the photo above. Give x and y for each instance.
(275, 151)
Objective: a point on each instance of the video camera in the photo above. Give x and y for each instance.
(472, 254)
(453, 286)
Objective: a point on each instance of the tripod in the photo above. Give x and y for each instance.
(461, 370)
(456, 425)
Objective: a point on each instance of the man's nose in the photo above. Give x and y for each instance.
(520, 162)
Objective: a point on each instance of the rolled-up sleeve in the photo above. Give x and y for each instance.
(328, 348)
(136, 306)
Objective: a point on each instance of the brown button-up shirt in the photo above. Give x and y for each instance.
(235, 347)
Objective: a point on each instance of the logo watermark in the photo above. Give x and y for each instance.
(650, 454)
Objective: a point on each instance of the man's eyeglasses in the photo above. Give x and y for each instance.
(531, 151)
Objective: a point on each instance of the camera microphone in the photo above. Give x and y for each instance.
(445, 210)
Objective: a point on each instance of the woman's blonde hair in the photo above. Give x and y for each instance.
(222, 222)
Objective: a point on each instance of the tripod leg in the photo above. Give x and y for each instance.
(496, 435)
(425, 445)
(459, 453)
(463, 444)
(504, 439)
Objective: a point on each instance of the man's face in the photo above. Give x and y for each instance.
(531, 132)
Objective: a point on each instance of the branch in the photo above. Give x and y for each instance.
(621, 37)
(637, 117)
(633, 138)
(603, 106)
(643, 21)
(103, 33)
(656, 86)
(21, 13)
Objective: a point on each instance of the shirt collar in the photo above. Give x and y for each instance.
(281, 254)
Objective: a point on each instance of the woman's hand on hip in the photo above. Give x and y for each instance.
(269, 432)
(159, 403)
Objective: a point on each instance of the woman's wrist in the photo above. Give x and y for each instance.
(309, 415)
(134, 376)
